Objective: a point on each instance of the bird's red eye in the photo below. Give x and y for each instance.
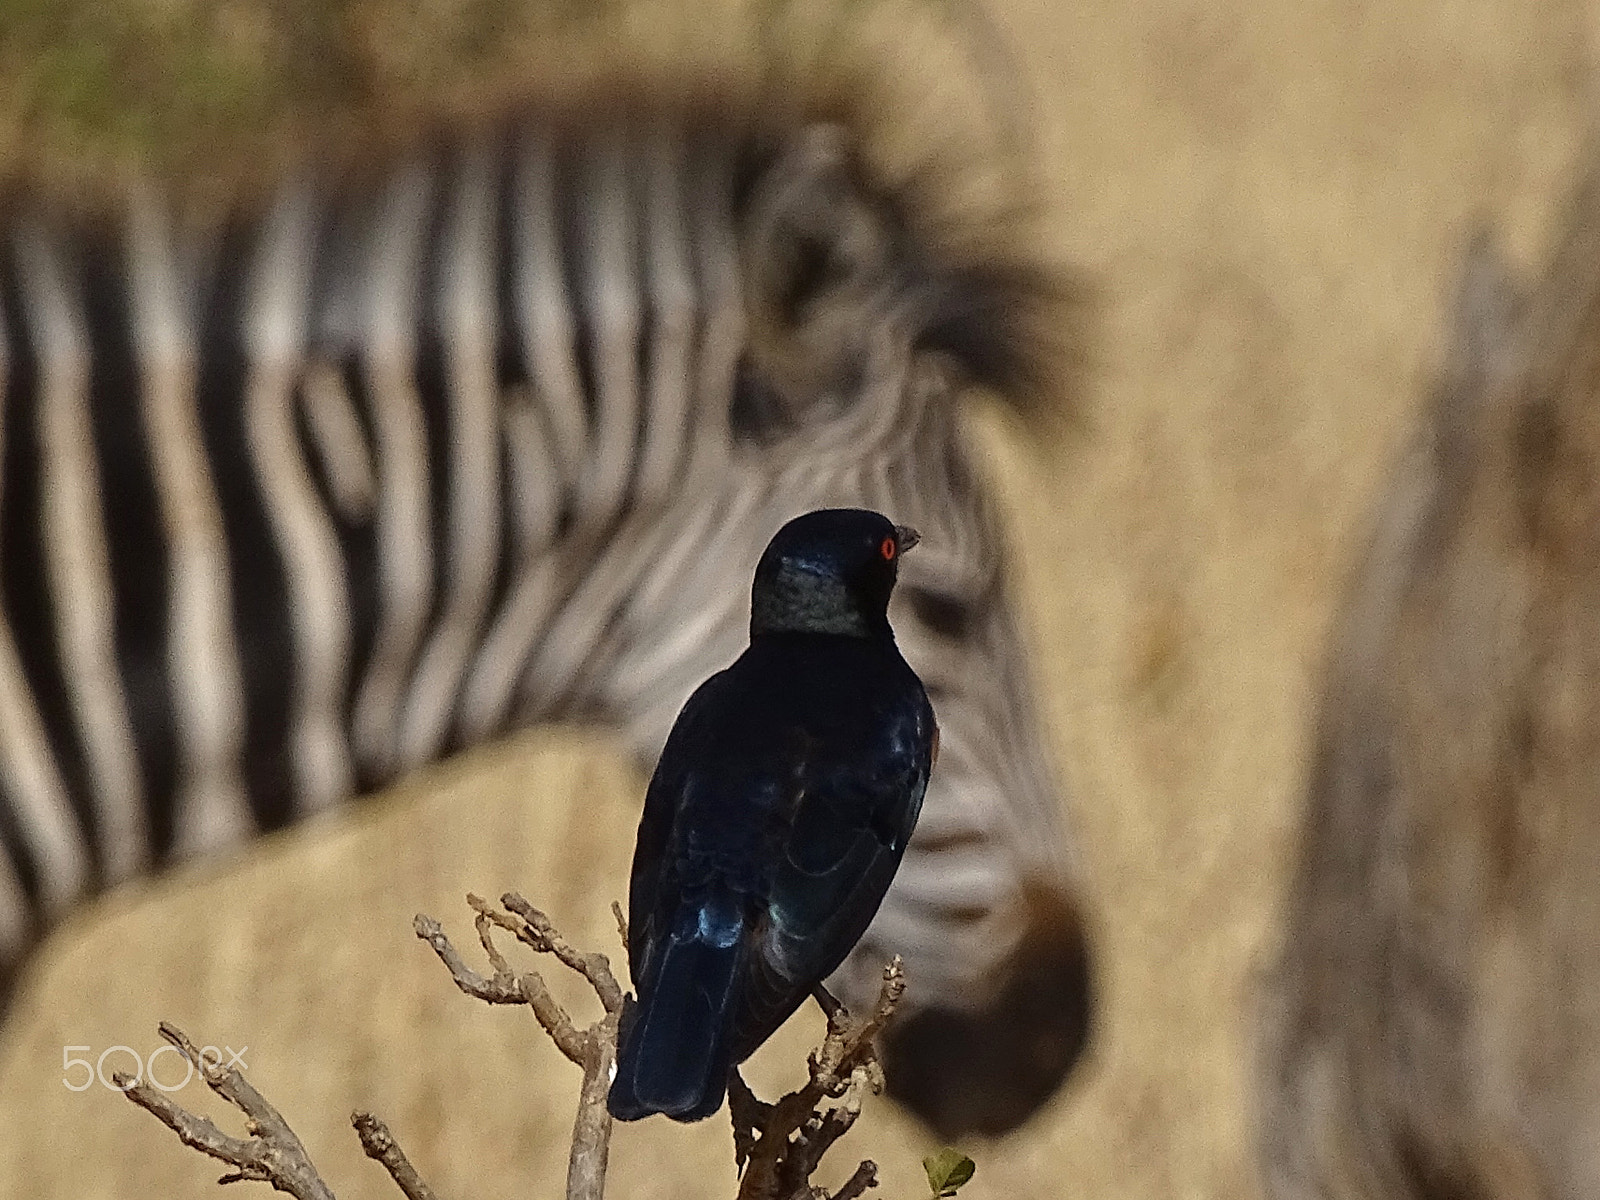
(887, 549)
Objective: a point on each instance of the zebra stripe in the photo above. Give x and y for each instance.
(572, 639)
(659, 669)
(276, 332)
(472, 398)
(41, 810)
(549, 335)
(608, 298)
(670, 288)
(211, 809)
(76, 558)
(15, 918)
(339, 444)
(404, 540)
(722, 306)
(502, 658)
(535, 491)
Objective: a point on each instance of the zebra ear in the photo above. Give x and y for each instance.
(818, 259)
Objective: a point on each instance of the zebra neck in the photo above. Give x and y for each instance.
(303, 502)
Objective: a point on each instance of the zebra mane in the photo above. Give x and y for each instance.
(217, 104)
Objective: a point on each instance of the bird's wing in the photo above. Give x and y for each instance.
(851, 822)
(672, 775)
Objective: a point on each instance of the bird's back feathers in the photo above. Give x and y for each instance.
(787, 791)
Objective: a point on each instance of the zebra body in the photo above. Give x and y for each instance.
(294, 502)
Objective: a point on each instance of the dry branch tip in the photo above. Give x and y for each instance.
(780, 1145)
(271, 1153)
(379, 1145)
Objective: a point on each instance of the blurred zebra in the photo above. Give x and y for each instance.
(1430, 1023)
(397, 459)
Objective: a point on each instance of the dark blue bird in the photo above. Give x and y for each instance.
(777, 815)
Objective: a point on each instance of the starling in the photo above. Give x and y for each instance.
(776, 817)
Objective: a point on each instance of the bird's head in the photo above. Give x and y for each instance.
(829, 571)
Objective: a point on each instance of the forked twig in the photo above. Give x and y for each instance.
(781, 1145)
(594, 1048)
(271, 1153)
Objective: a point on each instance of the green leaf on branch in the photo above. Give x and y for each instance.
(947, 1171)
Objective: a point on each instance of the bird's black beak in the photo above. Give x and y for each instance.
(906, 537)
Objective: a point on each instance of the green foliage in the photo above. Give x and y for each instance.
(91, 87)
(947, 1171)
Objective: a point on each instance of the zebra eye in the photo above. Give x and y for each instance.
(944, 614)
(815, 268)
(758, 412)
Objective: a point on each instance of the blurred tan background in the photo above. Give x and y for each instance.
(1270, 199)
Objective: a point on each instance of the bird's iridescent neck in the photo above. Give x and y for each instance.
(795, 600)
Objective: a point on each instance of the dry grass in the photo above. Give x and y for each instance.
(1272, 198)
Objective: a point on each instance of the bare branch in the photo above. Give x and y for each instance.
(591, 1128)
(503, 987)
(271, 1154)
(594, 1049)
(381, 1147)
(543, 936)
(500, 989)
(866, 1176)
(780, 1145)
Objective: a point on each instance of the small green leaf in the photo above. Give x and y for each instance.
(948, 1170)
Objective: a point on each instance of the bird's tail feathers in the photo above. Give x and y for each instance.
(676, 1040)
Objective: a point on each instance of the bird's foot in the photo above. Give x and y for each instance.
(832, 1008)
(749, 1115)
